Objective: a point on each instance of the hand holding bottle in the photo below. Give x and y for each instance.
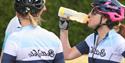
(73, 15)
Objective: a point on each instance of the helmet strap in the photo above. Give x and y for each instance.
(95, 34)
(100, 24)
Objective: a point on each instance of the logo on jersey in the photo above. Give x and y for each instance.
(40, 53)
(101, 52)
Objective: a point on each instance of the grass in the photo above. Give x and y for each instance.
(83, 59)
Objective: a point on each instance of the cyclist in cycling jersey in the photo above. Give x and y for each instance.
(32, 44)
(105, 45)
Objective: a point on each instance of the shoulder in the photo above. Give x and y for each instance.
(51, 38)
(12, 39)
(55, 37)
(89, 37)
(13, 25)
(14, 36)
(116, 38)
(14, 21)
(49, 34)
(119, 39)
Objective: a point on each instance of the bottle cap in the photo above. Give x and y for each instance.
(61, 11)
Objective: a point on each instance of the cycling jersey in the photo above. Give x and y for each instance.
(33, 45)
(13, 26)
(109, 50)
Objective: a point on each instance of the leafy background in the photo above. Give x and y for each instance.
(77, 31)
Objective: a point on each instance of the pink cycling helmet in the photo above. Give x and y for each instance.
(114, 9)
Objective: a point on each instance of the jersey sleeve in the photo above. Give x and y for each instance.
(122, 49)
(9, 52)
(10, 46)
(60, 48)
(6, 58)
(123, 54)
(59, 57)
(82, 47)
(12, 27)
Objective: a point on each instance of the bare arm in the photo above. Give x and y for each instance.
(69, 52)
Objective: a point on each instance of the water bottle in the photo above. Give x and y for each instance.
(72, 15)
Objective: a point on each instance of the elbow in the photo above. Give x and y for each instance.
(71, 53)
(68, 55)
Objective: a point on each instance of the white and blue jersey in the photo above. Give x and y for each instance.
(33, 45)
(109, 50)
(13, 26)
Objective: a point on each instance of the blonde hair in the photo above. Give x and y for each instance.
(34, 20)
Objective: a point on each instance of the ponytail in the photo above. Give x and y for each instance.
(34, 20)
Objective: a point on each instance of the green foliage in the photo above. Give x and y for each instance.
(6, 12)
(77, 31)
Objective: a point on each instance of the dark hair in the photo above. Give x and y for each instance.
(23, 7)
(30, 8)
(111, 24)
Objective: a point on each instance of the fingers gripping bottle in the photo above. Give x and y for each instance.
(73, 15)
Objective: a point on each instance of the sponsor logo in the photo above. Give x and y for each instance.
(101, 52)
(40, 53)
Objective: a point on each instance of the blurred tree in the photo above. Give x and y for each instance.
(77, 31)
